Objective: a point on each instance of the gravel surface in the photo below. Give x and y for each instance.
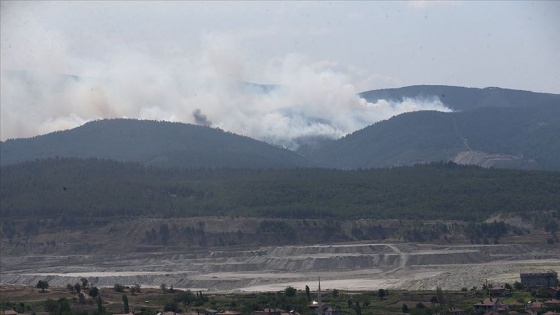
(341, 266)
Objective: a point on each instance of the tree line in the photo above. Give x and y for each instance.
(75, 189)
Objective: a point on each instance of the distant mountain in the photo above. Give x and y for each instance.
(517, 137)
(461, 98)
(154, 143)
(490, 127)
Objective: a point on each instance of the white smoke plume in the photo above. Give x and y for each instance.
(308, 99)
(52, 87)
(307, 102)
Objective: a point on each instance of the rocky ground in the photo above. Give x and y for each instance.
(346, 266)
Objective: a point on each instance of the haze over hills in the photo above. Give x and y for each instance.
(109, 209)
(525, 138)
(154, 143)
(462, 98)
(491, 127)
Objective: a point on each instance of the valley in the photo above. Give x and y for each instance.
(279, 158)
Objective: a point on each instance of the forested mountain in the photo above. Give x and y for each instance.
(72, 188)
(490, 127)
(514, 137)
(153, 143)
(461, 98)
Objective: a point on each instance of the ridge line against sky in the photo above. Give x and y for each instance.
(180, 60)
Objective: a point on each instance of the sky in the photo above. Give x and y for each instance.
(64, 63)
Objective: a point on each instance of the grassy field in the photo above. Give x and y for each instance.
(154, 300)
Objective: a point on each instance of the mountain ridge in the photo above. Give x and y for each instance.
(462, 98)
(491, 127)
(167, 144)
(524, 138)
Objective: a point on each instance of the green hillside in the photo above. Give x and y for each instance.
(74, 188)
(490, 127)
(161, 143)
(528, 134)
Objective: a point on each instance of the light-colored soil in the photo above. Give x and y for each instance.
(489, 159)
(363, 266)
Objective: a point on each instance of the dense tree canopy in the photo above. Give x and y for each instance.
(73, 188)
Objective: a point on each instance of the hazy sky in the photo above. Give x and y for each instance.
(167, 60)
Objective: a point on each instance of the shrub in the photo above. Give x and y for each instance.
(118, 287)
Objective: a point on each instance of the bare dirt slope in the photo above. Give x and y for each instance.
(490, 159)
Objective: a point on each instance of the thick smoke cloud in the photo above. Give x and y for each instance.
(201, 119)
(308, 100)
(52, 87)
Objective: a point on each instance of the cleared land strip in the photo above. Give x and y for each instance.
(340, 266)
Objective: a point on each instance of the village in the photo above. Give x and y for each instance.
(541, 287)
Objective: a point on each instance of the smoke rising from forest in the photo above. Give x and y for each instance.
(52, 87)
(308, 101)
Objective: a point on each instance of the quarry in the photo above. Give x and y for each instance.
(342, 266)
